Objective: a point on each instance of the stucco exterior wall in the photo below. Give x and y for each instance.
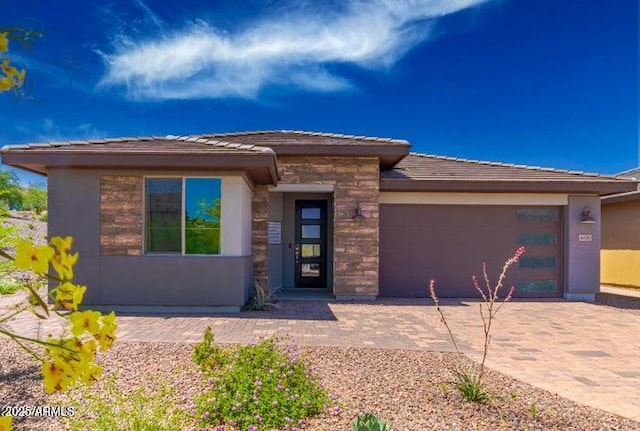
(113, 266)
(355, 242)
(620, 253)
(582, 274)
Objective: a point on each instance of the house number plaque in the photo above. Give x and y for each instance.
(585, 237)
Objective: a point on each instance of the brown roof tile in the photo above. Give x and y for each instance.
(168, 144)
(285, 137)
(418, 166)
(423, 172)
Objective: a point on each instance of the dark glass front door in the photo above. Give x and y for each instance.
(311, 244)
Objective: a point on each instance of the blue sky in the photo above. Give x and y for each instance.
(541, 82)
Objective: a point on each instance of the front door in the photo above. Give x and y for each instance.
(311, 243)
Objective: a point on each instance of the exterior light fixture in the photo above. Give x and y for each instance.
(586, 216)
(358, 213)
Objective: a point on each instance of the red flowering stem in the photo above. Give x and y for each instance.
(432, 290)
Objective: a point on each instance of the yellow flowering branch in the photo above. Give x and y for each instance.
(10, 76)
(66, 361)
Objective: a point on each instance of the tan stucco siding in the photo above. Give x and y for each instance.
(620, 267)
(620, 254)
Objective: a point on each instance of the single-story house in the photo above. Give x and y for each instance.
(620, 254)
(197, 221)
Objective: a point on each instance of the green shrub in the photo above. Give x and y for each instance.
(260, 386)
(148, 408)
(471, 387)
(44, 216)
(370, 422)
(35, 198)
(9, 286)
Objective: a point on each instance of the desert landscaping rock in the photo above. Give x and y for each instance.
(413, 390)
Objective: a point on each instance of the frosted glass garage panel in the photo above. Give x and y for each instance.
(537, 238)
(537, 286)
(535, 262)
(538, 214)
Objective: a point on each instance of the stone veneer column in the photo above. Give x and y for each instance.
(355, 253)
(259, 224)
(121, 215)
(355, 246)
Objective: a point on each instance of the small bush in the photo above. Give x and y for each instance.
(471, 387)
(260, 386)
(370, 422)
(263, 297)
(9, 286)
(44, 217)
(148, 408)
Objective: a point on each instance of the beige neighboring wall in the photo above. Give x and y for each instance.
(620, 252)
(355, 180)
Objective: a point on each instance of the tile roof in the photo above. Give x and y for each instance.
(418, 166)
(146, 144)
(630, 173)
(284, 137)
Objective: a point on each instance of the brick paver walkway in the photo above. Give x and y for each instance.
(584, 352)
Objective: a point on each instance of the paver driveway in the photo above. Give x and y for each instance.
(584, 352)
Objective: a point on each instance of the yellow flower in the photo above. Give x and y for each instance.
(62, 244)
(6, 423)
(56, 375)
(29, 256)
(63, 264)
(13, 77)
(91, 373)
(69, 295)
(88, 350)
(6, 83)
(4, 46)
(82, 321)
(107, 334)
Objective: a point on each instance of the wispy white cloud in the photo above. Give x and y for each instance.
(297, 49)
(48, 130)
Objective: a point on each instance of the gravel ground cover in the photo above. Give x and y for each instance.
(411, 389)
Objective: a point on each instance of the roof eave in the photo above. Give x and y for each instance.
(599, 188)
(389, 155)
(260, 167)
(621, 197)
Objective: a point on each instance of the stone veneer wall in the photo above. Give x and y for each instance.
(121, 215)
(355, 180)
(259, 224)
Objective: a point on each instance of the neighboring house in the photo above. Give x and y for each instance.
(196, 221)
(620, 254)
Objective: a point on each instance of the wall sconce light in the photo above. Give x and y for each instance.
(358, 213)
(586, 216)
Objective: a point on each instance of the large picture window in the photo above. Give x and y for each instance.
(183, 215)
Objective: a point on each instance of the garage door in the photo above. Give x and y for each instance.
(450, 242)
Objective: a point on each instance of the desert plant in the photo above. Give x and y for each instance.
(262, 385)
(149, 407)
(370, 422)
(471, 387)
(263, 297)
(533, 410)
(468, 381)
(9, 285)
(68, 360)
